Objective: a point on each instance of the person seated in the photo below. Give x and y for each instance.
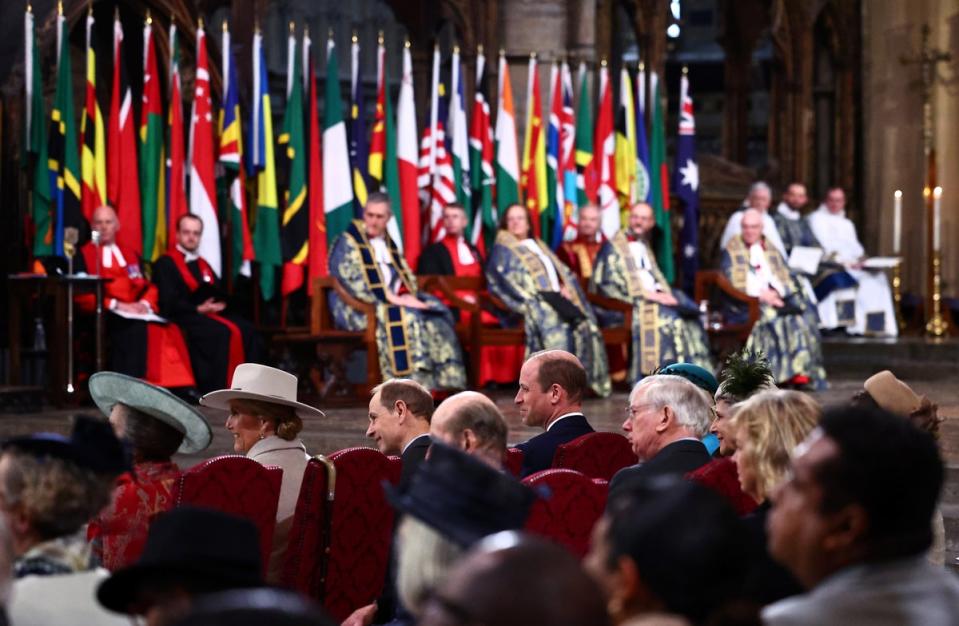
(191, 296)
(768, 427)
(580, 253)
(668, 550)
(471, 422)
(265, 421)
(665, 419)
(156, 424)
(367, 263)
(873, 310)
(759, 198)
(852, 523)
(793, 229)
(525, 274)
(552, 385)
(666, 326)
(783, 334)
(151, 350)
(190, 552)
(50, 486)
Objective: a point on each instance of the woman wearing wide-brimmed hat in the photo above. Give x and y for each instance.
(265, 421)
(157, 425)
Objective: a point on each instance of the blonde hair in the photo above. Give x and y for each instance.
(286, 423)
(769, 425)
(423, 558)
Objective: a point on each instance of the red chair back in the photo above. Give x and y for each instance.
(598, 455)
(361, 530)
(574, 505)
(514, 461)
(236, 485)
(305, 562)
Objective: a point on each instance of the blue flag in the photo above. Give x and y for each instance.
(686, 185)
(644, 187)
(359, 150)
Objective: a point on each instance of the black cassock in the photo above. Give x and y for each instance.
(217, 343)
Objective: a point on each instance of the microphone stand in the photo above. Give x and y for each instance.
(70, 249)
(95, 236)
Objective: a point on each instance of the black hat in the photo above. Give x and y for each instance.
(461, 497)
(92, 445)
(189, 546)
(254, 607)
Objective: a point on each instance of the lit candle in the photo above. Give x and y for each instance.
(937, 219)
(897, 223)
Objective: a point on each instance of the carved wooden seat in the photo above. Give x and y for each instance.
(713, 286)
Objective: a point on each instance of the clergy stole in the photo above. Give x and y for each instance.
(534, 266)
(739, 257)
(649, 359)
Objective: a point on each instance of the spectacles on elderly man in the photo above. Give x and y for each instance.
(632, 410)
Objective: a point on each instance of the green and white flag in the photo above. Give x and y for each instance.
(337, 188)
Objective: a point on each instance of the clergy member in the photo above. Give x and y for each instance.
(666, 327)
(782, 333)
(191, 296)
(793, 229)
(759, 198)
(151, 350)
(580, 253)
(873, 311)
(414, 331)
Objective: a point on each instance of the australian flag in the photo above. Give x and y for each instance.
(686, 186)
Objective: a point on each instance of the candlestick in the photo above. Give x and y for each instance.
(897, 296)
(937, 219)
(897, 223)
(936, 326)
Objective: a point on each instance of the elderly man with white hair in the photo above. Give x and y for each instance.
(666, 418)
(760, 198)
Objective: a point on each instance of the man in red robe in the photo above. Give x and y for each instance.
(580, 253)
(151, 350)
(191, 297)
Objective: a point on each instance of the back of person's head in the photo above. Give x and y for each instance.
(743, 374)
(511, 579)
(688, 402)
(472, 412)
(254, 607)
(424, 555)
(151, 439)
(890, 469)
(558, 367)
(415, 396)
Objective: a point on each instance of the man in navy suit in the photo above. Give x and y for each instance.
(552, 384)
(665, 420)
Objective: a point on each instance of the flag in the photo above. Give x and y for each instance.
(337, 190)
(533, 178)
(625, 158)
(458, 133)
(231, 157)
(554, 148)
(604, 151)
(35, 141)
(406, 154)
(202, 177)
(507, 161)
(643, 188)
(123, 180)
(686, 184)
(585, 181)
(93, 158)
(266, 232)
(63, 154)
(176, 204)
(483, 224)
(318, 262)
(435, 166)
(378, 134)
(295, 230)
(567, 162)
(359, 151)
(151, 147)
(387, 135)
(659, 175)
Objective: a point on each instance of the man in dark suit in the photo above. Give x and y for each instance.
(400, 413)
(665, 420)
(552, 384)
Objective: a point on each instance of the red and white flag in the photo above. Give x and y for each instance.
(406, 154)
(202, 177)
(123, 178)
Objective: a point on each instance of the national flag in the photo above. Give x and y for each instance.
(202, 176)
(554, 149)
(318, 261)
(378, 134)
(625, 158)
(437, 187)
(659, 175)
(406, 156)
(458, 133)
(586, 183)
(266, 232)
(337, 190)
(295, 229)
(507, 161)
(151, 148)
(176, 204)
(359, 157)
(391, 176)
(533, 178)
(123, 179)
(643, 188)
(93, 157)
(686, 184)
(231, 158)
(63, 154)
(604, 151)
(483, 224)
(567, 162)
(35, 141)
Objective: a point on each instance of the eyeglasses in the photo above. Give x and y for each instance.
(632, 411)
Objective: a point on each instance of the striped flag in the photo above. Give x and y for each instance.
(406, 153)
(337, 190)
(176, 204)
(604, 149)
(567, 163)
(483, 226)
(35, 141)
(643, 188)
(266, 232)
(686, 184)
(554, 157)
(151, 149)
(123, 180)
(437, 187)
(459, 133)
(359, 157)
(318, 261)
(202, 177)
(625, 174)
(586, 182)
(384, 162)
(533, 177)
(507, 161)
(93, 158)
(659, 174)
(294, 235)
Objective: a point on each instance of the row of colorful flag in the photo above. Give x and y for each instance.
(330, 164)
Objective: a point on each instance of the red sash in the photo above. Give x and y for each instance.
(236, 355)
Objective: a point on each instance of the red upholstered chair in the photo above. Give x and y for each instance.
(361, 529)
(235, 485)
(598, 455)
(305, 562)
(514, 461)
(575, 504)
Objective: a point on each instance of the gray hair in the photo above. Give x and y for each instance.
(760, 186)
(423, 558)
(479, 414)
(689, 402)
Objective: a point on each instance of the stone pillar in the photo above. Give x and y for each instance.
(742, 22)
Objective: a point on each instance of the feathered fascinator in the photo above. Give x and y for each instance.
(744, 373)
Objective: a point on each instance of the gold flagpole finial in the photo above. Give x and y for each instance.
(149, 19)
(532, 55)
(380, 39)
(456, 48)
(685, 70)
(199, 23)
(502, 52)
(479, 49)
(116, 12)
(407, 44)
(354, 38)
(29, 8)
(306, 30)
(641, 66)
(60, 7)
(89, 8)
(292, 27)
(602, 62)
(226, 26)
(330, 33)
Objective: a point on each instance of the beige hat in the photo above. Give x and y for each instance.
(252, 381)
(892, 394)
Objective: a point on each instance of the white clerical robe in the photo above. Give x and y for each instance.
(547, 263)
(837, 235)
(770, 232)
(760, 276)
(641, 255)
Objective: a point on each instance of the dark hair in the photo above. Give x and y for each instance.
(502, 218)
(456, 205)
(567, 373)
(188, 216)
(484, 419)
(888, 467)
(832, 188)
(152, 439)
(416, 397)
(378, 197)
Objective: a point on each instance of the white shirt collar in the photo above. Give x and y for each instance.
(786, 211)
(109, 251)
(189, 257)
(410, 442)
(563, 416)
(463, 252)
